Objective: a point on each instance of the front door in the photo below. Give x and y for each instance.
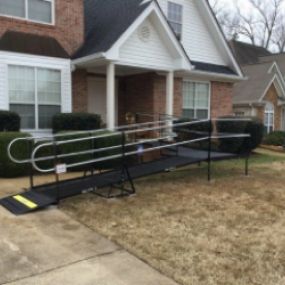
(97, 97)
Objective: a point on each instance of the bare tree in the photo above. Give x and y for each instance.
(264, 25)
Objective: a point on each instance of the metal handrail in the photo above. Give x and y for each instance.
(168, 126)
(34, 160)
(52, 138)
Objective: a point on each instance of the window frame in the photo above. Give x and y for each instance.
(36, 104)
(26, 18)
(209, 97)
(174, 22)
(268, 113)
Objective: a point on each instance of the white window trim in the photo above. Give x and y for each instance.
(266, 123)
(210, 93)
(182, 16)
(26, 18)
(35, 103)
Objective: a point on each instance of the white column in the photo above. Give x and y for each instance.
(170, 93)
(111, 96)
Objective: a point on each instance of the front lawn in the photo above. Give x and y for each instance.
(229, 231)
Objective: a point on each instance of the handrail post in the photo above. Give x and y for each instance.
(31, 172)
(55, 152)
(209, 149)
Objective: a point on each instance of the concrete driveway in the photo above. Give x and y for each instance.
(49, 247)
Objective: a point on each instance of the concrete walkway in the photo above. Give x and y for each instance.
(50, 248)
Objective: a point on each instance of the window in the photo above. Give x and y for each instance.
(196, 97)
(34, 10)
(239, 114)
(175, 12)
(269, 118)
(35, 94)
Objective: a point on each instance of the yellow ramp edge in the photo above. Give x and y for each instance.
(25, 201)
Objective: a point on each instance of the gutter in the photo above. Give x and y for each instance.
(81, 60)
(234, 78)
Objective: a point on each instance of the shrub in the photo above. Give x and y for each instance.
(9, 121)
(75, 122)
(9, 169)
(192, 131)
(275, 138)
(88, 145)
(254, 128)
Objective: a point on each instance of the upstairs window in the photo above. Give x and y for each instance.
(175, 16)
(33, 10)
(196, 100)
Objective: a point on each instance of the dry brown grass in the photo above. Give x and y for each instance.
(229, 231)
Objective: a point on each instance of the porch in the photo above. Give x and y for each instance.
(112, 90)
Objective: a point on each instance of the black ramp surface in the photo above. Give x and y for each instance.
(48, 194)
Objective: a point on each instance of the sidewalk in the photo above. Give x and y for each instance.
(49, 247)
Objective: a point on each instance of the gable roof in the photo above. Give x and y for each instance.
(106, 21)
(279, 58)
(260, 78)
(32, 44)
(247, 53)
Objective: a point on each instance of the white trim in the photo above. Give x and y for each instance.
(278, 71)
(217, 76)
(221, 37)
(26, 18)
(209, 83)
(59, 60)
(272, 81)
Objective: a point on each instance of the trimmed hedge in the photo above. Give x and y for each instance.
(254, 128)
(8, 169)
(9, 121)
(75, 122)
(276, 138)
(88, 145)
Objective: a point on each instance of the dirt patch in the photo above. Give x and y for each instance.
(229, 231)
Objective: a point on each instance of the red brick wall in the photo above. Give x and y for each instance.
(221, 99)
(146, 93)
(79, 91)
(68, 28)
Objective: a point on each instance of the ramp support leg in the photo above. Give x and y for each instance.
(247, 165)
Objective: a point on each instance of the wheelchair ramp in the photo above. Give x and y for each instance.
(26, 202)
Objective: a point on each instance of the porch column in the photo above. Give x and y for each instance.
(170, 93)
(110, 118)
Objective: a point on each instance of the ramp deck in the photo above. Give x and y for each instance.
(45, 195)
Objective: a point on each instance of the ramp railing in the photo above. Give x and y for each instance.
(160, 135)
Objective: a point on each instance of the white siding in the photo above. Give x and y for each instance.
(7, 58)
(4, 105)
(151, 52)
(197, 38)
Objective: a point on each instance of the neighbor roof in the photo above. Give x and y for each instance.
(247, 53)
(251, 90)
(279, 58)
(106, 21)
(32, 44)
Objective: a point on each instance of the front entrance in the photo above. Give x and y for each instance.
(97, 103)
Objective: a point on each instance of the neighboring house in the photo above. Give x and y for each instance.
(112, 57)
(263, 93)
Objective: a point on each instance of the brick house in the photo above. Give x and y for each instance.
(263, 93)
(112, 57)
